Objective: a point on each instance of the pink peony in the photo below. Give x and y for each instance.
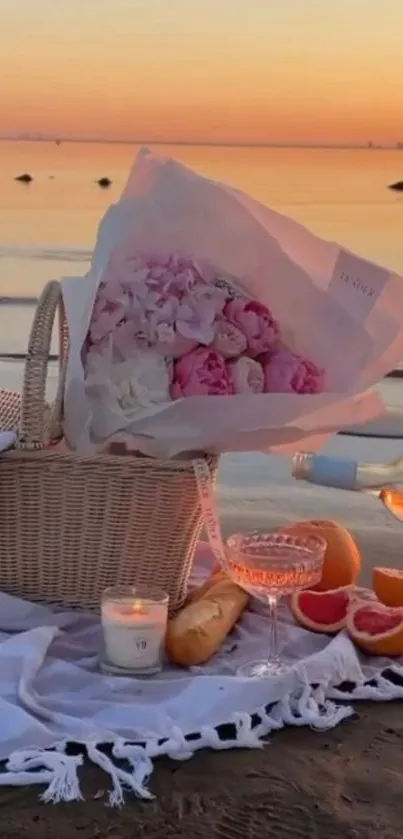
(201, 372)
(170, 343)
(165, 301)
(255, 321)
(287, 372)
(228, 339)
(105, 321)
(129, 336)
(112, 292)
(94, 352)
(246, 375)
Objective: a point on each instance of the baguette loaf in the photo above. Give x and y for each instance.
(217, 575)
(198, 631)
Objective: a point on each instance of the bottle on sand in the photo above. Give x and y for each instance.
(385, 480)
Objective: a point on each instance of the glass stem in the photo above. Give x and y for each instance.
(273, 633)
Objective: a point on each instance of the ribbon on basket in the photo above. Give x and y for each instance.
(209, 509)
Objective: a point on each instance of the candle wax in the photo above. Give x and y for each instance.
(134, 634)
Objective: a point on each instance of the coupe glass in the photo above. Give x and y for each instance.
(269, 566)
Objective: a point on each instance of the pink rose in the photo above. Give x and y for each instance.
(287, 372)
(201, 372)
(255, 321)
(246, 375)
(228, 339)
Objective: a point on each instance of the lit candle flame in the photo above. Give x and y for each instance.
(138, 608)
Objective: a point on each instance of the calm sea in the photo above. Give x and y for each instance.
(47, 229)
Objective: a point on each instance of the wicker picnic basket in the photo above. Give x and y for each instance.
(71, 525)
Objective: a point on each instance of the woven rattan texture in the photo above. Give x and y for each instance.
(10, 410)
(71, 525)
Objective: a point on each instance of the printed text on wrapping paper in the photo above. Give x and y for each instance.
(357, 284)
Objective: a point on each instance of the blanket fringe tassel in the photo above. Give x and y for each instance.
(121, 779)
(54, 768)
(59, 771)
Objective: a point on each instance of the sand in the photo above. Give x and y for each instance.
(302, 785)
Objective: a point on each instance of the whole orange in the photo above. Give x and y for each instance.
(342, 562)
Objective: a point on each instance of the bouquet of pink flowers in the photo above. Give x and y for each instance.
(193, 333)
(197, 291)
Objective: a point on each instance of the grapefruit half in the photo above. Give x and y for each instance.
(322, 611)
(375, 628)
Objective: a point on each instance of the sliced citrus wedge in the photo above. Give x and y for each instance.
(387, 584)
(322, 611)
(375, 628)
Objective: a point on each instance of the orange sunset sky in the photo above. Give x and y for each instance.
(249, 71)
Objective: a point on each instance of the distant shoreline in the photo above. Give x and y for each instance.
(285, 145)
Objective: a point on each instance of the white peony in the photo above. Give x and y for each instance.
(131, 386)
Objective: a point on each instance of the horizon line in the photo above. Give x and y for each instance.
(369, 145)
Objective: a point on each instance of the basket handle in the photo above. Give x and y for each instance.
(209, 510)
(37, 429)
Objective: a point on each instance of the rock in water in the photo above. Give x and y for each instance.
(398, 186)
(26, 178)
(104, 182)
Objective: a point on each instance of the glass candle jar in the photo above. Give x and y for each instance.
(134, 625)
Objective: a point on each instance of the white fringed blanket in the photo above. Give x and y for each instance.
(52, 693)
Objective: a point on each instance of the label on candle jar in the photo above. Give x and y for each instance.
(133, 646)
